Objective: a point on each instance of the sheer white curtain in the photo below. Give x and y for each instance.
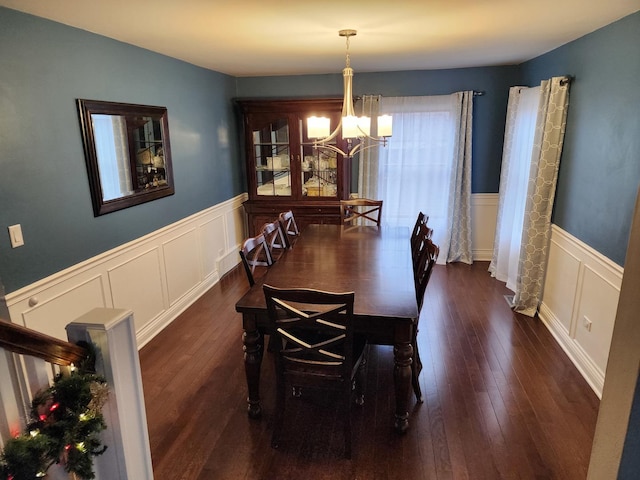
(522, 111)
(530, 231)
(426, 166)
(369, 158)
(110, 135)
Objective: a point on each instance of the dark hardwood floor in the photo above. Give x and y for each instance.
(502, 400)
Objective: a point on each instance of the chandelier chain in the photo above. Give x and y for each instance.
(348, 60)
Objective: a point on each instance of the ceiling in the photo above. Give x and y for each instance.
(285, 37)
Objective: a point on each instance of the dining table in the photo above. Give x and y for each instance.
(374, 262)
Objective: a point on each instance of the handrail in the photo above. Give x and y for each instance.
(19, 339)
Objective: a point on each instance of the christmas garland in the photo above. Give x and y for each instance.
(64, 427)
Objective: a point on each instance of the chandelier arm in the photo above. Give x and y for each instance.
(361, 147)
(382, 140)
(330, 147)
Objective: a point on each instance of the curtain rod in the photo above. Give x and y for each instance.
(567, 80)
(476, 93)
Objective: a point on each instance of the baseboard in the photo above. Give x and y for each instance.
(155, 326)
(482, 255)
(587, 368)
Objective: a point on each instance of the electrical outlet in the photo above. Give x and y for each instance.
(15, 234)
(586, 323)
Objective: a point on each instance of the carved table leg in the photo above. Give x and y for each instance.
(253, 348)
(402, 353)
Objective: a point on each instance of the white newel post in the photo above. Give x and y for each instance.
(128, 456)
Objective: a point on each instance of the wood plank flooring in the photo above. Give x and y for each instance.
(502, 400)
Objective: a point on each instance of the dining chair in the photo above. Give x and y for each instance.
(255, 253)
(315, 348)
(422, 219)
(426, 262)
(275, 238)
(418, 246)
(289, 227)
(351, 211)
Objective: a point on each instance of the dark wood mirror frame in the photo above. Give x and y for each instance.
(141, 159)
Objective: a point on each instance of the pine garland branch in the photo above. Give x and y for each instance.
(65, 426)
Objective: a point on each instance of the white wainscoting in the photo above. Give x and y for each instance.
(484, 213)
(579, 303)
(159, 275)
(156, 276)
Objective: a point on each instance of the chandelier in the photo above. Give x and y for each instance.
(353, 128)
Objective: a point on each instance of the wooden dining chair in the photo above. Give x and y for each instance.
(275, 238)
(426, 262)
(422, 219)
(418, 246)
(315, 348)
(289, 227)
(255, 254)
(353, 210)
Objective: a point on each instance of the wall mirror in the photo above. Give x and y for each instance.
(128, 153)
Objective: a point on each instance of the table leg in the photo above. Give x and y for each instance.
(253, 348)
(402, 354)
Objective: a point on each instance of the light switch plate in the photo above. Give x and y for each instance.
(15, 234)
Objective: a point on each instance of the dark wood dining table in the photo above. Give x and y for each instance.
(375, 263)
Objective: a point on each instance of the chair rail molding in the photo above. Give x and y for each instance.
(156, 276)
(579, 303)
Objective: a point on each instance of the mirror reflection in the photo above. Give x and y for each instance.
(127, 152)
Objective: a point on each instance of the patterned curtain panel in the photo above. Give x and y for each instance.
(547, 149)
(460, 192)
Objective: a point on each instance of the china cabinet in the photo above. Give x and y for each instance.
(284, 170)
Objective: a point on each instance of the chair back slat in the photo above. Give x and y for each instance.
(289, 227)
(353, 210)
(275, 238)
(419, 244)
(426, 261)
(315, 347)
(422, 219)
(312, 326)
(255, 253)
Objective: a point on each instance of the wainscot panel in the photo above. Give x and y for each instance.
(137, 285)
(80, 296)
(182, 265)
(212, 244)
(579, 303)
(484, 212)
(156, 276)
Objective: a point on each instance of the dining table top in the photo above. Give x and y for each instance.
(372, 261)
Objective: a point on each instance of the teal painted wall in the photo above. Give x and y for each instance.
(488, 110)
(44, 67)
(600, 165)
